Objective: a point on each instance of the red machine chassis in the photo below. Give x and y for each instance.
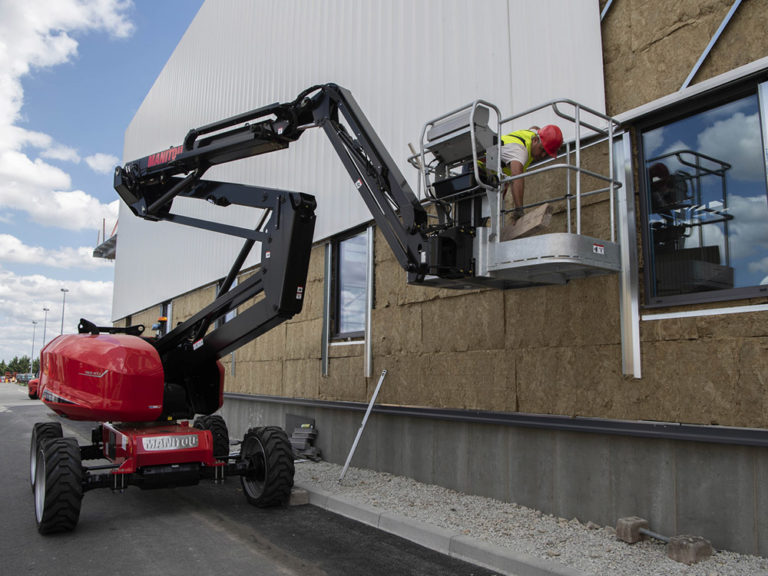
(134, 447)
(155, 456)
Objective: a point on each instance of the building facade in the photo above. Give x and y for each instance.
(641, 392)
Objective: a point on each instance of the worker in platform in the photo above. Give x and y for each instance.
(519, 150)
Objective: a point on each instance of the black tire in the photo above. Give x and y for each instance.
(58, 486)
(32, 395)
(218, 428)
(270, 466)
(41, 431)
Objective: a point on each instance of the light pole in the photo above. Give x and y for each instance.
(45, 322)
(32, 356)
(63, 303)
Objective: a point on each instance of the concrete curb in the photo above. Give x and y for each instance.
(439, 539)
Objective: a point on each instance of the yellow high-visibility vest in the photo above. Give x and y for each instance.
(524, 137)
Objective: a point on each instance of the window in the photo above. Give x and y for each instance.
(350, 264)
(705, 205)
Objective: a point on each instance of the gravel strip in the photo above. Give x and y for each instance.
(588, 547)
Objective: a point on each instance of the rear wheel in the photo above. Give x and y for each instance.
(41, 431)
(269, 455)
(218, 428)
(58, 485)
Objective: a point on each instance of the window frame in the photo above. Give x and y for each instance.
(680, 111)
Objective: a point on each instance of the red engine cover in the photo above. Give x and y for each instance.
(103, 377)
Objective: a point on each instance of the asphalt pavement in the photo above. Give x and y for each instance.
(199, 529)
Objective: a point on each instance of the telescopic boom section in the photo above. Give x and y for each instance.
(150, 184)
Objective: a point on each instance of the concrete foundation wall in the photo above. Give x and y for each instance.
(715, 491)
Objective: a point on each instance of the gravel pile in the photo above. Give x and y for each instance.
(590, 548)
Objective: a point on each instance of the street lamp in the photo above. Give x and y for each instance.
(31, 356)
(63, 303)
(45, 322)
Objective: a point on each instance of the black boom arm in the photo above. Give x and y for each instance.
(150, 184)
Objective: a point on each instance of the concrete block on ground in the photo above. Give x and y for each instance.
(299, 497)
(689, 549)
(628, 529)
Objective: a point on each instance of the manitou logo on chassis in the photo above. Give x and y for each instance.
(164, 157)
(155, 443)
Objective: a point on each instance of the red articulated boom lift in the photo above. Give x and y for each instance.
(145, 390)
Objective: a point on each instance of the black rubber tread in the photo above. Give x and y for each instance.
(32, 395)
(41, 431)
(271, 453)
(59, 486)
(218, 428)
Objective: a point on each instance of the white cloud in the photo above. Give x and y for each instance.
(21, 176)
(749, 233)
(36, 188)
(760, 266)
(102, 163)
(652, 141)
(22, 299)
(38, 34)
(736, 140)
(14, 250)
(59, 152)
(727, 110)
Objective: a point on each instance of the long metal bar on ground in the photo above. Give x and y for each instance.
(362, 426)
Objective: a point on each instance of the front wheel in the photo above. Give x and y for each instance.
(218, 428)
(41, 431)
(269, 479)
(58, 485)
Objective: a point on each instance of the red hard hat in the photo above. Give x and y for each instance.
(551, 138)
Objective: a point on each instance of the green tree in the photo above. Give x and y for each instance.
(19, 364)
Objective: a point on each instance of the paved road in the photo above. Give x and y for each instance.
(205, 529)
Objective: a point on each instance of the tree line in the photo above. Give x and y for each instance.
(19, 365)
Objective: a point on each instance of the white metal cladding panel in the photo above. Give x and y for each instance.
(405, 61)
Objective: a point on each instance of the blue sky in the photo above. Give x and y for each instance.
(72, 75)
(729, 133)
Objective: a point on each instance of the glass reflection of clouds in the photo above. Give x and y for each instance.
(353, 257)
(713, 235)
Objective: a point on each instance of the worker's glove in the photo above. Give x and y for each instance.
(517, 213)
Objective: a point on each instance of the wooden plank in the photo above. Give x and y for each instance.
(533, 222)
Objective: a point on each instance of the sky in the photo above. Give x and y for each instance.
(729, 133)
(72, 75)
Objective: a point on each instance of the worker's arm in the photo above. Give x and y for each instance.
(518, 186)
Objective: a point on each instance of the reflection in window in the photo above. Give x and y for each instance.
(706, 202)
(350, 286)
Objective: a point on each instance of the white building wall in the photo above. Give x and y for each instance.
(405, 61)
